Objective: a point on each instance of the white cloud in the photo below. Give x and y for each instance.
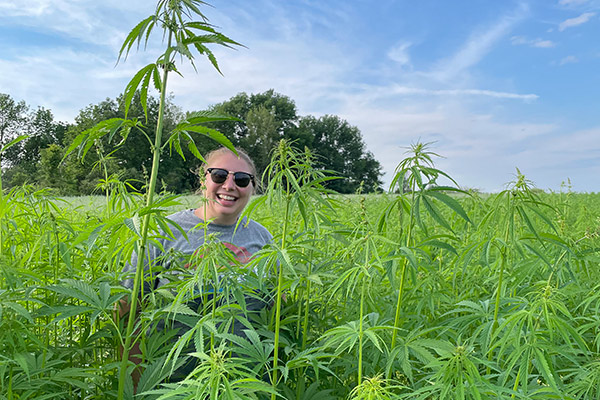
(544, 44)
(462, 92)
(572, 2)
(541, 43)
(399, 53)
(574, 155)
(307, 71)
(35, 8)
(64, 80)
(568, 60)
(285, 53)
(477, 46)
(479, 150)
(517, 40)
(88, 21)
(582, 19)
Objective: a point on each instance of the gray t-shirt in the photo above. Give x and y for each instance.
(243, 240)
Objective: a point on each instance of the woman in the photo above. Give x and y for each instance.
(227, 182)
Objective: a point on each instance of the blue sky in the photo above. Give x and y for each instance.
(496, 85)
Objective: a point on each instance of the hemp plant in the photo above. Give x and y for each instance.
(186, 38)
(416, 179)
(2, 200)
(294, 184)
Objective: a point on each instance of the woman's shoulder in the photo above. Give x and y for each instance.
(184, 216)
(254, 227)
(184, 219)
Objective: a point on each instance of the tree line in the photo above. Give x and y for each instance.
(264, 119)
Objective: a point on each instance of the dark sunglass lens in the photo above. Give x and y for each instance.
(218, 175)
(241, 179)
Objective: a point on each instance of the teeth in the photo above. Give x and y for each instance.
(225, 197)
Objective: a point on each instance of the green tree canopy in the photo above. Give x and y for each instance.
(23, 158)
(339, 147)
(13, 119)
(269, 116)
(131, 159)
(265, 118)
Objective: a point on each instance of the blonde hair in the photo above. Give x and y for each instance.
(241, 154)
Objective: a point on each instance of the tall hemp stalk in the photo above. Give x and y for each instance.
(365, 277)
(513, 226)
(418, 176)
(360, 264)
(282, 178)
(521, 206)
(291, 182)
(183, 36)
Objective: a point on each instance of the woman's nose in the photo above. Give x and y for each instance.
(229, 182)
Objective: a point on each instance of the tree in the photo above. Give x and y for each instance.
(265, 119)
(131, 159)
(281, 107)
(339, 147)
(269, 116)
(22, 160)
(41, 131)
(51, 171)
(263, 134)
(13, 119)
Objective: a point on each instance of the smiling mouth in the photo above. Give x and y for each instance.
(226, 197)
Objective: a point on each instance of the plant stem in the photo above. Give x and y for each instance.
(306, 308)
(503, 263)
(362, 314)
(278, 298)
(137, 283)
(3, 207)
(503, 254)
(403, 271)
(301, 378)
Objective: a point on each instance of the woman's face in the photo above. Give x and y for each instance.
(225, 201)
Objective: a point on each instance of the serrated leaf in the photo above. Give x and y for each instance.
(450, 202)
(134, 83)
(19, 309)
(131, 224)
(136, 34)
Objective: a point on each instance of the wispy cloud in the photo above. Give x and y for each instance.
(313, 58)
(88, 21)
(479, 149)
(543, 43)
(58, 84)
(571, 2)
(477, 46)
(571, 22)
(540, 43)
(399, 53)
(34, 8)
(568, 60)
(463, 92)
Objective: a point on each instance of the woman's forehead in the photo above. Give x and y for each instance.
(228, 161)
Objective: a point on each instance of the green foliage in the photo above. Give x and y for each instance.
(175, 17)
(339, 147)
(12, 118)
(115, 138)
(340, 260)
(427, 293)
(336, 146)
(23, 137)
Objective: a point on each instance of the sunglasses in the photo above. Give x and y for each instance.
(241, 179)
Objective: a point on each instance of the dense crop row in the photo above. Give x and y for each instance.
(429, 294)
